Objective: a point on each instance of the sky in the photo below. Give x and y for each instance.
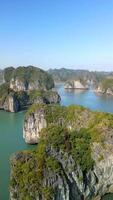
(75, 34)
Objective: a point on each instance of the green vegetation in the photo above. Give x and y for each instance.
(4, 91)
(8, 73)
(107, 83)
(32, 74)
(44, 96)
(76, 117)
(101, 157)
(63, 75)
(29, 74)
(29, 171)
(66, 136)
(1, 76)
(33, 167)
(81, 149)
(31, 78)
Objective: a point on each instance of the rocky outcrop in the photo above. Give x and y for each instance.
(105, 87)
(19, 85)
(33, 125)
(101, 90)
(76, 85)
(47, 97)
(11, 104)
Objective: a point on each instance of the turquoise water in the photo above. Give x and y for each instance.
(86, 98)
(11, 139)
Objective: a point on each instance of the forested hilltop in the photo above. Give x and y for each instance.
(64, 75)
(24, 86)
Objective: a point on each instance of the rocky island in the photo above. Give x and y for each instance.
(77, 84)
(105, 86)
(73, 159)
(24, 86)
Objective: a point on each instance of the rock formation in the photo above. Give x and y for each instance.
(101, 90)
(11, 103)
(105, 87)
(33, 125)
(76, 85)
(24, 86)
(19, 85)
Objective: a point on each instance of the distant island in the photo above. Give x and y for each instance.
(77, 84)
(101, 82)
(64, 75)
(24, 86)
(105, 86)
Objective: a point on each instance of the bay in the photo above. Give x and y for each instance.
(87, 98)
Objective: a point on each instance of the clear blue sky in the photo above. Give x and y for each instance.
(57, 33)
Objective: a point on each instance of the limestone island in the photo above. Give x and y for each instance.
(24, 86)
(105, 87)
(77, 84)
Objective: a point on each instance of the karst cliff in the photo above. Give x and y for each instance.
(24, 86)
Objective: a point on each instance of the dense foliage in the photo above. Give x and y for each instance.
(8, 73)
(107, 83)
(32, 74)
(1, 76)
(4, 91)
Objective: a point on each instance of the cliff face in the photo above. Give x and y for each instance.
(19, 85)
(76, 85)
(11, 103)
(33, 125)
